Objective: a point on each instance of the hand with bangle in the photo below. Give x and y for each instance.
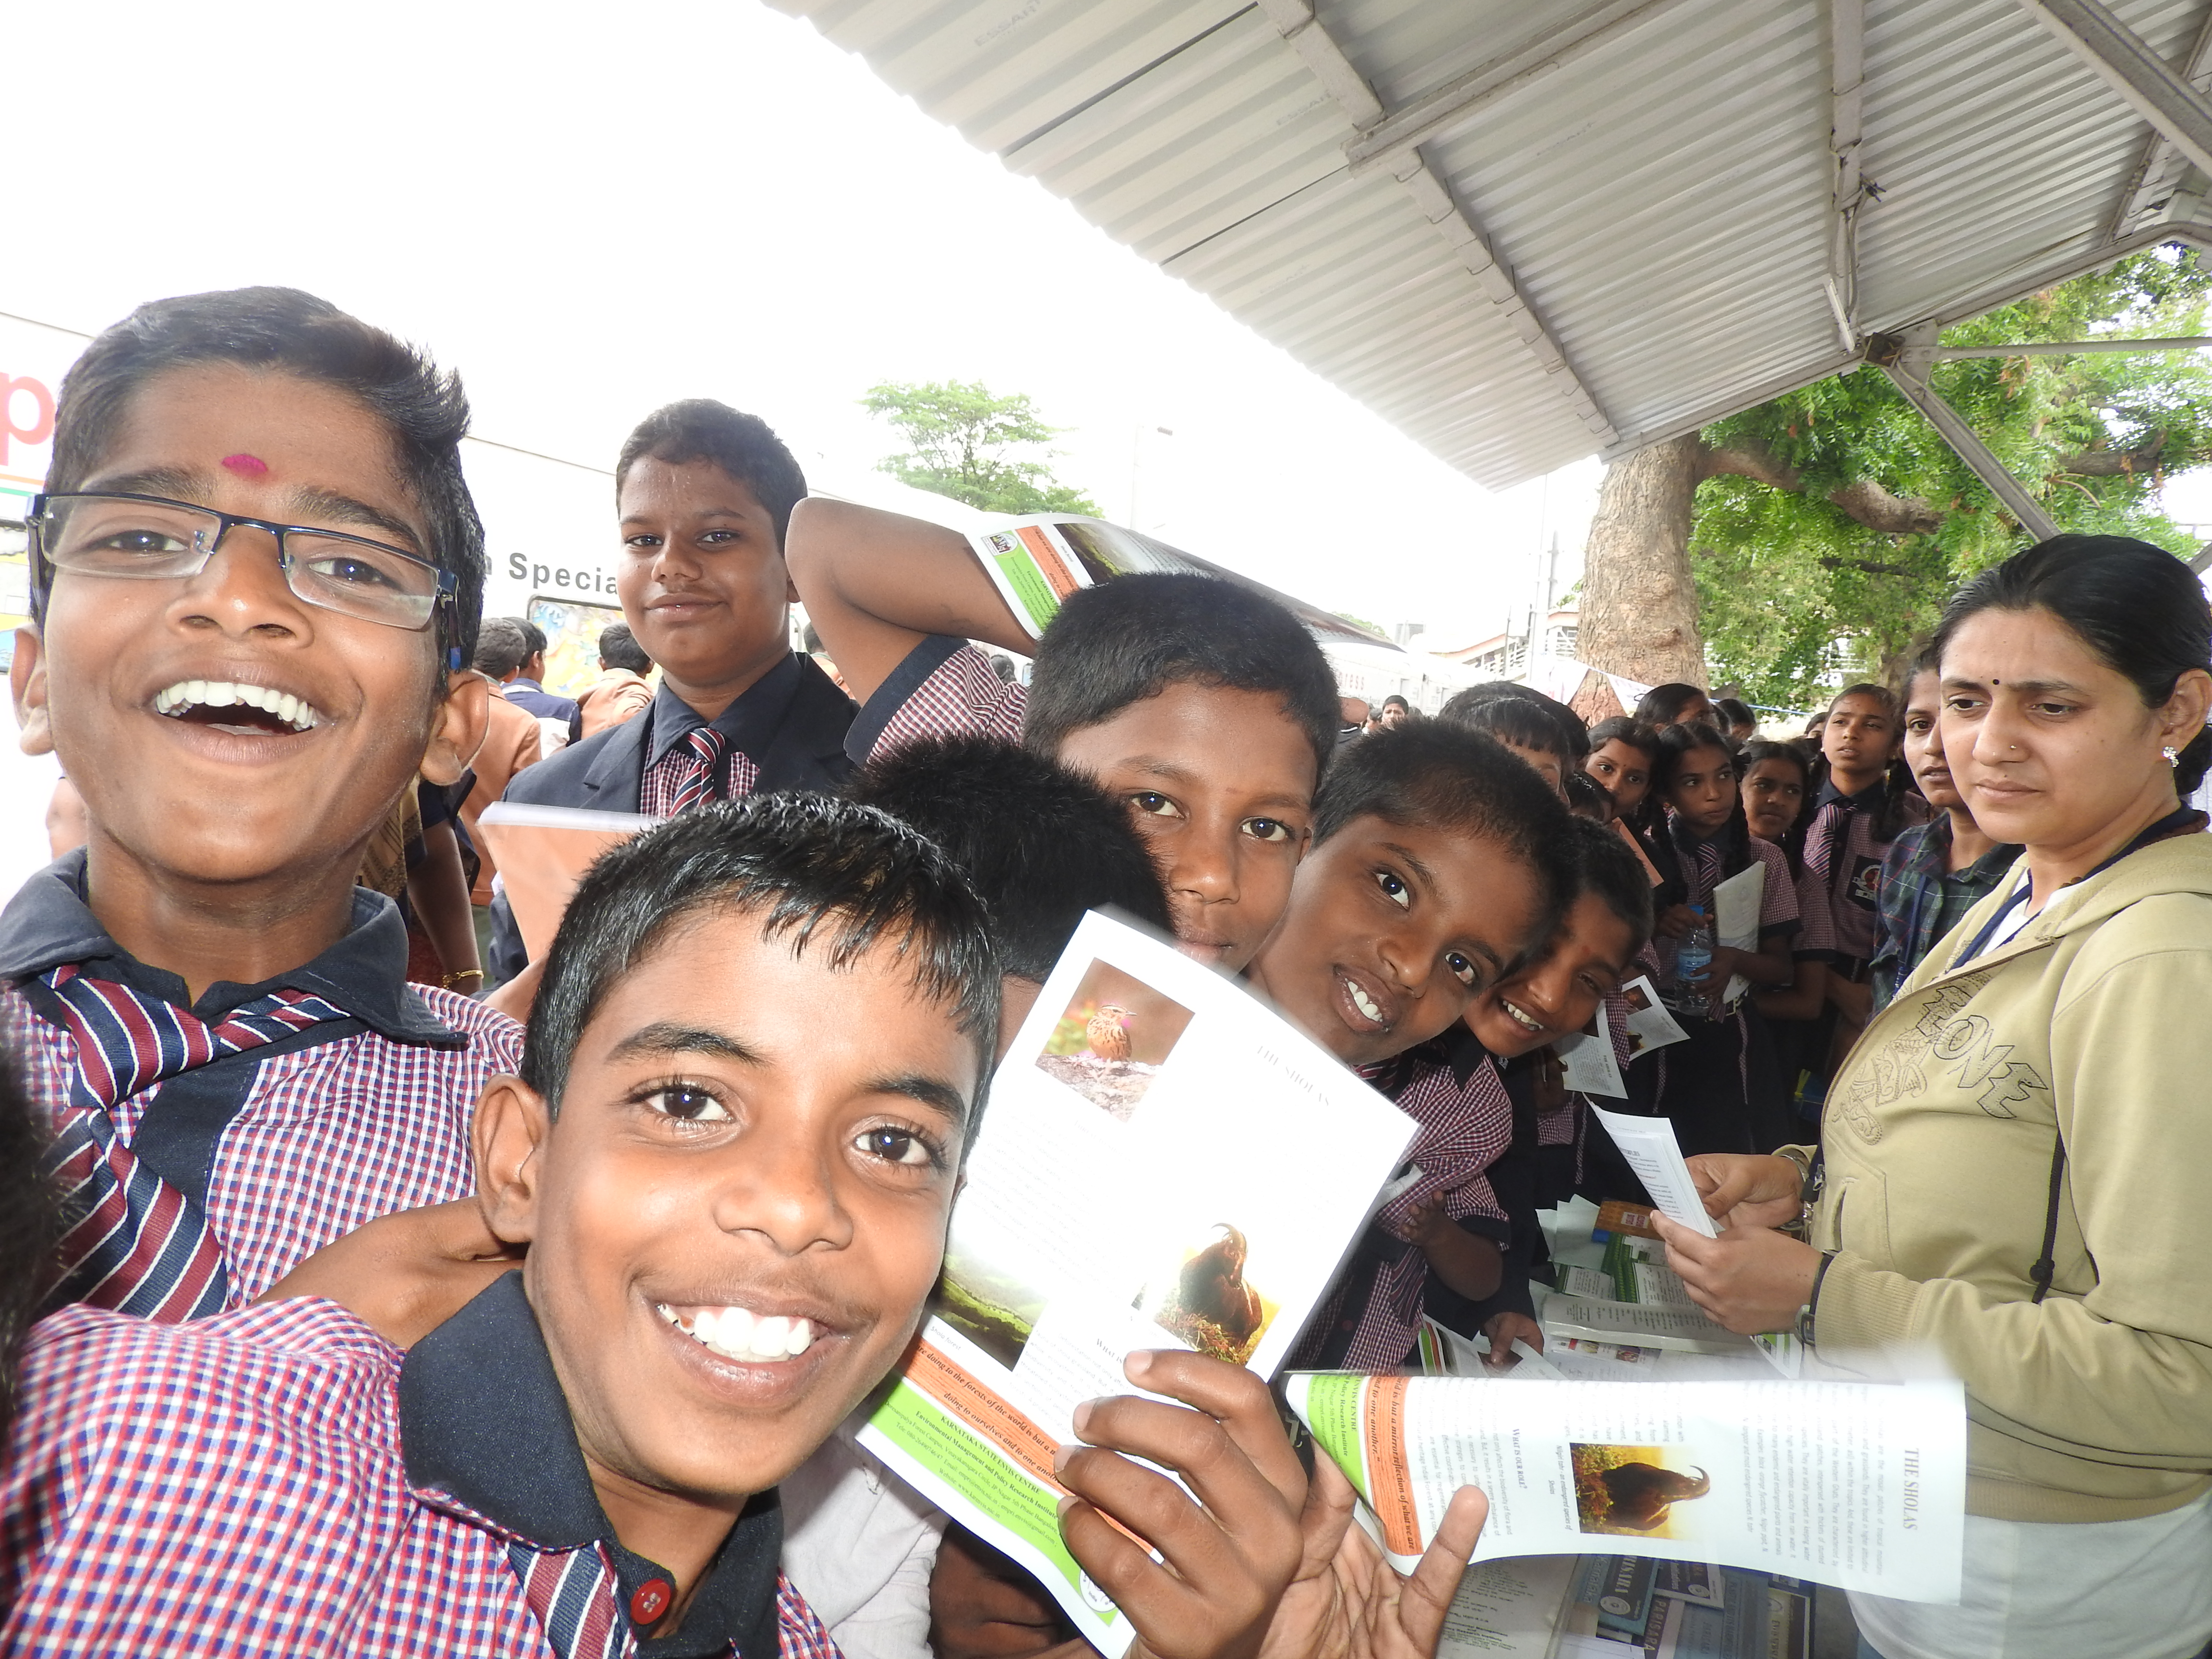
(1754, 1277)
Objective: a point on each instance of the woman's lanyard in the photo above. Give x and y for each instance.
(1982, 939)
(2180, 822)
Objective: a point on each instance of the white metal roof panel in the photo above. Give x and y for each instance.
(1657, 198)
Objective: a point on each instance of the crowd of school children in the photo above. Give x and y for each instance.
(353, 1305)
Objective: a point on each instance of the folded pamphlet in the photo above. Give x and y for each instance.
(1859, 1484)
(1165, 1163)
(1649, 1024)
(1586, 1059)
(1735, 919)
(541, 853)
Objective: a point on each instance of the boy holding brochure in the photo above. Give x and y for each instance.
(734, 1210)
(704, 494)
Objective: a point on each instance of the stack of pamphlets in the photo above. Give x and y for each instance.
(1616, 1606)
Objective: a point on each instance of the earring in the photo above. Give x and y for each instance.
(2172, 755)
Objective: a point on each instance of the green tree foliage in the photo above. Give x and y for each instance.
(1836, 518)
(969, 444)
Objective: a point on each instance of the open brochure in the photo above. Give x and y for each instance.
(1165, 1162)
(1859, 1484)
(541, 853)
(1036, 562)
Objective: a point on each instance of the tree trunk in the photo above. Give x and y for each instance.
(1639, 603)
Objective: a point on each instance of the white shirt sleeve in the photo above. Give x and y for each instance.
(861, 1545)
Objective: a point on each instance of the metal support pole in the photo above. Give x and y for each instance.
(2131, 69)
(1905, 359)
(1846, 113)
(2069, 348)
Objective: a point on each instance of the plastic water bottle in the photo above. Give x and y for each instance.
(1693, 954)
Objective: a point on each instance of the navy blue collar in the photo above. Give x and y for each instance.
(48, 923)
(523, 683)
(749, 723)
(483, 1425)
(1869, 796)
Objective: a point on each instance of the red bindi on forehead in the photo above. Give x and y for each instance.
(246, 466)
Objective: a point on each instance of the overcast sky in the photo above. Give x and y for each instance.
(704, 198)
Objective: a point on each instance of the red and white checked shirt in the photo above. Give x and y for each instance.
(241, 1486)
(945, 688)
(328, 1136)
(1451, 1089)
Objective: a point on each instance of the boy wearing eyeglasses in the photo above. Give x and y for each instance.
(256, 575)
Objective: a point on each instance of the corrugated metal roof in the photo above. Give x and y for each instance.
(1626, 238)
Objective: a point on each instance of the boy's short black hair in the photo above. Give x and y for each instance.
(1605, 867)
(534, 635)
(501, 647)
(1439, 775)
(1474, 707)
(1040, 842)
(801, 863)
(284, 329)
(1400, 701)
(744, 445)
(1511, 717)
(1129, 639)
(619, 648)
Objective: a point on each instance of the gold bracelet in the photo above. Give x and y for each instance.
(446, 982)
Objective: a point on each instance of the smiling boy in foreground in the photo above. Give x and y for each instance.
(734, 1206)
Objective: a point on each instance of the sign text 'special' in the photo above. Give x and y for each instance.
(559, 575)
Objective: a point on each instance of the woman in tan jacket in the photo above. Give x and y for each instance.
(2017, 1155)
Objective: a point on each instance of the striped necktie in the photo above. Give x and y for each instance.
(1709, 874)
(132, 1242)
(1830, 824)
(571, 1594)
(706, 745)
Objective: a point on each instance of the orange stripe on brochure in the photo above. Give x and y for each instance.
(1051, 564)
(1390, 1492)
(1028, 1446)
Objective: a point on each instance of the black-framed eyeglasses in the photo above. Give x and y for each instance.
(151, 539)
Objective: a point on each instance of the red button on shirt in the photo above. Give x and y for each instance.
(651, 1600)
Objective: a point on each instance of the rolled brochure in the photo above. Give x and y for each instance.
(1858, 1484)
